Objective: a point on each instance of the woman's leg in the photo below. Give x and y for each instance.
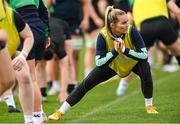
(95, 77)
(142, 69)
(7, 75)
(98, 75)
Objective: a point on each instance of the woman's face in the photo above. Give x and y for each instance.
(121, 25)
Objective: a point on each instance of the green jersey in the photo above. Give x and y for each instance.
(15, 4)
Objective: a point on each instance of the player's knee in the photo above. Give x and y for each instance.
(24, 78)
(4, 85)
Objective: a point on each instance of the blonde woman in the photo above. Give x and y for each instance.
(119, 51)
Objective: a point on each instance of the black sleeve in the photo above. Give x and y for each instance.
(102, 56)
(141, 52)
(137, 39)
(100, 46)
(43, 14)
(19, 22)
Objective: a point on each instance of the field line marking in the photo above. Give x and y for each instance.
(116, 101)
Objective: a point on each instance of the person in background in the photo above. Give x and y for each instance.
(144, 23)
(8, 98)
(16, 28)
(95, 23)
(35, 13)
(60, 34)
(77, 17)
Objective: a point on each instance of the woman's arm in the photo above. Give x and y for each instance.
(28, 39)
(174, 9)
(96, 19)
(48, 3)
(141, 51)
(26, 34)
(85, 7)
(102, 56)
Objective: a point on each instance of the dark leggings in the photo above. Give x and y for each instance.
(100, 74)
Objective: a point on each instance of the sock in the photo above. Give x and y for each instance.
(37, 117)
(10, 101)
(122, 86)
(28, 118)
(43, 92)
(178, 59)
(56, 85)
(148, 101)
(65, 107)
(168, 59)
(70, 87)
(87, 71)
(49, 84)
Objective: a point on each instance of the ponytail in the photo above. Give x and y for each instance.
(108, 10)
(111, 16)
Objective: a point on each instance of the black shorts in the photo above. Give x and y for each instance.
(57, 34)
(60, 50)
(30, 15)
(39, 41)
(92, 26)
(75, 30)
(158, 28)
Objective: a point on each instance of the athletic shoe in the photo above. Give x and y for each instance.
(12, 109)
(151, 109)
(170, 68)
(55, 116)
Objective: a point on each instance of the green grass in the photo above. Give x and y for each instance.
(101, 105)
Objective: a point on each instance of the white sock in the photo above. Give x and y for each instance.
(56, 85)
(28, 118)
(148, 101)
(122, 85)
(87, 71)
(10, 100)
(37, 117)
(65, 107)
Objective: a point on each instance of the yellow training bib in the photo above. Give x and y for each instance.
(122, 64)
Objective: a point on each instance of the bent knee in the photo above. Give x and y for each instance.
(174, 48)
(5, 85)
(24, 78)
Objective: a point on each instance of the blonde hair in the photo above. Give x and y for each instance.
(111, 15)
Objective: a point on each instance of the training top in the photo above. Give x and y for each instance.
(121, 63)
(21, 3)
(32, 11)
(12, 23)
(146, 9)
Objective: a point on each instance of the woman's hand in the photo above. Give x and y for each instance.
(99, 22)
(119, 45)
(19, 61)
